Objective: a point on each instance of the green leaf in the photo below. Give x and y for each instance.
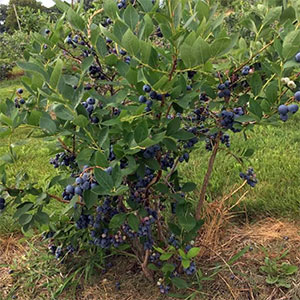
(131, 42)
(272, 15)
(152, 267)
(110, 8)
(81, 121)
(291, 44)
(179, 283)
(146, 5)
(131, 17)
(117, 220)
(173, 126)
(186, 263)
(29, 66)
(23, 208)
(168, 268)
(133, 222)
(165, 256)
(183, 135)
(25, 219)
(141, 131)
(193, 252)
(220, 45)
(63, 6)
(256, 83)
(56, 73)
(47, 123)
(87, 63)
(255, 108)
(75, 20)
(104, 180)
(90, 198)
(188, 187)
(201, 51)
(62, 112)
(187, 222)
(185, 54)
(42, 218)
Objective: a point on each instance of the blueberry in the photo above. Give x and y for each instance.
(78, 190)
(297, 96)
(123, 52)
(153, 95)
(79, 180)
(70, 189)
(20, 91)
(149, 103)
(47, 31)
(120, 5)
(284, 118)
(90, 100)
(283, 109)
(108, 40)
(293, 108)
(146, 88)
(297, 57)
(95, 120)
(142, 99)
(221, 86)
(22, 101)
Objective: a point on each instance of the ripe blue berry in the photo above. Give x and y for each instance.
(146, 88)
(142, 99)
(297, 96)
(297, 57)
(293, 108)
(20, 91)
(283, 109)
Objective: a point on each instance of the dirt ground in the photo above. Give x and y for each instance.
(240, 281)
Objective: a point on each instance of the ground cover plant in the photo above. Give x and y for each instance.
(129, 100)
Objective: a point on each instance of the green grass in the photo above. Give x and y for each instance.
(8, 88)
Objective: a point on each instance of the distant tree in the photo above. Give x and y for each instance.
(11, 22)
(3, 16)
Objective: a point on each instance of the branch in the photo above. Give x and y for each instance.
(146, 271)
(64, 145)
(207, 176)
(253, 56)
(173, 67)
(62, 200)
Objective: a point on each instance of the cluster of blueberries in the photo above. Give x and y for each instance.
(58, 251)
(224, 89)
(211, 140)
(167, 161)
(283, 111)
(250, 176)
(89, 105)
(96, 73)
(227, 120)
(151, 152)
(152, 94)
(82, 183)
(64, 159)
(2, 203)
(191, 269)
(19, 101)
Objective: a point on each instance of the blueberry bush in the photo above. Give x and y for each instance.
(128, 99)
